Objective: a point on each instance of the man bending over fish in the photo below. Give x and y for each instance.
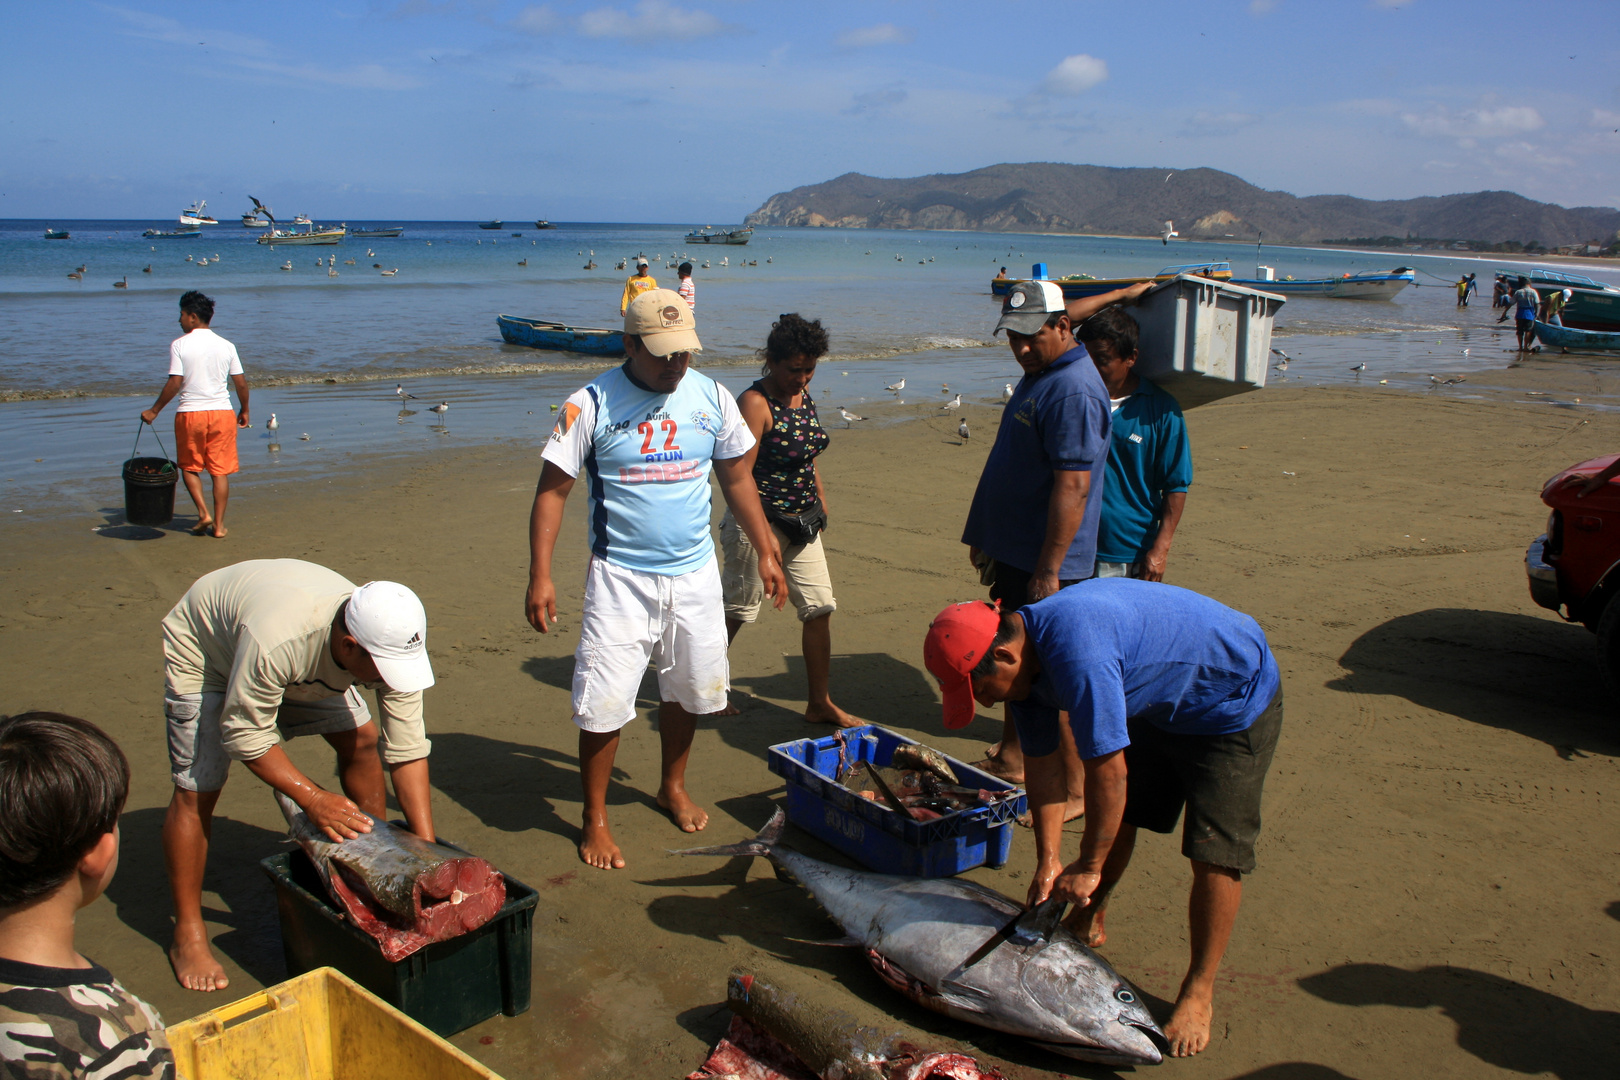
(646, 434)
(1174, 700)
(269, 650)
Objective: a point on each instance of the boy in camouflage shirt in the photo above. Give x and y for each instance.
(63, 783)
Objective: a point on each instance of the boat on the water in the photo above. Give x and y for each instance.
(1080, 285)
(496, 224)
(254, 220)
(197, 214)
(302, 219)
(1542, 279)
(171, 234)
(393, 230)
(1362, 285)
(1571, 339)
(541, 334)
(542, 223)
(707, 235)
(311, 235)
(57, 234)
(1592, 304)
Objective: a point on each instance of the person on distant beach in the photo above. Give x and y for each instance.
(648, 434)
(63, 783)
(1173, 701)
(1149, 458)
(788, 439)
(1525, 303)
(202, 368)
(687, 289)
(1032, 526)
(636, 284)
(268, 650)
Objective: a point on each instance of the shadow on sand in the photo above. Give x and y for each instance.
(140, 890)
(1521, 673)
(513, 787)
(1503, 1023)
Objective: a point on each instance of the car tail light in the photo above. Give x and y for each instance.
(1555, 536)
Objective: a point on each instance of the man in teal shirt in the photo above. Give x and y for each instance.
(1149, 461)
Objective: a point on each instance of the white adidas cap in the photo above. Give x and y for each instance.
(390, 623)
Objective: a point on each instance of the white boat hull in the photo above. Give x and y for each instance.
(1346, 288)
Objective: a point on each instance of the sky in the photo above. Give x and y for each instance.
(697, 111)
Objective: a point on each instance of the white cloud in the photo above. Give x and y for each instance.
(159, 28)
(1481, 123)
(866, 37)
(652, 20)
(1603, 118)
(1074, 76)
(535, 19)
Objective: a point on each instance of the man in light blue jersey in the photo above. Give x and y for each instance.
(645, 435)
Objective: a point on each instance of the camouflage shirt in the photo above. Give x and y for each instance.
(57, 1023)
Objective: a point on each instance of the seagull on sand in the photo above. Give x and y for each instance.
(1169, 231)
(1006, 393)
(1282, 365)
(1360, 367)
(896, 387)
(400, 392)
(441, 408)
(954, 403)
(849, 417)
(272, 424)
(962, 430)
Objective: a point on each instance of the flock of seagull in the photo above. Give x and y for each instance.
(950, 406)
(1434, 380)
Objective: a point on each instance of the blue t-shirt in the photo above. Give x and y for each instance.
(1118, 649)
(1149, 459)
(647, 456)
(1057, 419)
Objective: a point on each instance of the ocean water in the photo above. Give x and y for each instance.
(80, 359)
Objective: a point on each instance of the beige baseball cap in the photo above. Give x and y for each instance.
(663, 321)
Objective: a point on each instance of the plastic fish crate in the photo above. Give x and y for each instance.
(319, 1026)
(1203, 340)
(447, 986)
(874, 835)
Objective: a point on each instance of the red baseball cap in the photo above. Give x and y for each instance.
(957, 640)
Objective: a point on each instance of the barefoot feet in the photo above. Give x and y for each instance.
(203, 528)
(194, 963)
(1188, 1029)
(831, 714)
(596, 846)
(1000, 765)
(687, 815)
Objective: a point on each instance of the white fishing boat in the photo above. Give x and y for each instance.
(310, 235)
(197, 214)
(1363, 285)
(255, 220)
(302, 219)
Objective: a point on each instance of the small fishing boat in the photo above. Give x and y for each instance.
(393, 230)
(57, 234)
(707, 235)
(171, 234)
(197, 214)
(254, 220)
(496, 224)
(1543, 279)
(1570, 339)
(542, 223)
(540, 334)
(311, 235)
(1362, 285)
(302, 219)
(1592, 309)
(1077, 286)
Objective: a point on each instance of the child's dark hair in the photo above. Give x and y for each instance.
(794, 335)
(1112, 326)
(685, 270)
(63, 782)
(195, 303)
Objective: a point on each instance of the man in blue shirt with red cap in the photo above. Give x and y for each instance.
(1173, 700)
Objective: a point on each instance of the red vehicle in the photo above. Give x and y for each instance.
(1574, 568)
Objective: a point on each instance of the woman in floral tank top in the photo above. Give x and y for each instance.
(788, 438)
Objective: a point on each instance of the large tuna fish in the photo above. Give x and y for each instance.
(402, 890)
(956, 948)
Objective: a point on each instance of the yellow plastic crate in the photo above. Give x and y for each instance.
(320, 1026)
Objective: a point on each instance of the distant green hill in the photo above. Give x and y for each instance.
(1203, 203)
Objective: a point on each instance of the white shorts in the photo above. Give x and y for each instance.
(631, 617)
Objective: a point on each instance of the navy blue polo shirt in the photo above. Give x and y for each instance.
(1056, 420)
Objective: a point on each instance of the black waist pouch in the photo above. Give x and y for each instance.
(801, 528)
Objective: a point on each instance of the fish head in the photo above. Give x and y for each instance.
(1101, 1012)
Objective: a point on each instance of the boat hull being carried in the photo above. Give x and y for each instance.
(1075, 288)
(1366, 285)
(1573, 340)
(540, 334)
(734, 237)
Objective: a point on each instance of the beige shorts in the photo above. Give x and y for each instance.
(809, 584)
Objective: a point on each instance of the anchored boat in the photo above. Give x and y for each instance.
(1362, 285)
(540, 334)
(1079, 285)
(57, 234)
(1571, 339)
(496, 224)
(311, 235)
(706, 235)
(197, 214)
(392, 230)
(171, 234)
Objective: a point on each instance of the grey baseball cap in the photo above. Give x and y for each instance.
(1028, 305)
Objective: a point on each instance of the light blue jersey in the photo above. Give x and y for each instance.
(647, 457)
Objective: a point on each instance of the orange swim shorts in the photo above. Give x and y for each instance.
(207, 441)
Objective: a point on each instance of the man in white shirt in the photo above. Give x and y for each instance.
(265, 651)
(645, 435)
(202, 368)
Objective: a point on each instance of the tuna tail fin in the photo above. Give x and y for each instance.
(760, 845)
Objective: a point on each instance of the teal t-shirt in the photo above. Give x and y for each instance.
(1150, 457)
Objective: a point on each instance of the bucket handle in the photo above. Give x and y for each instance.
(141, 426)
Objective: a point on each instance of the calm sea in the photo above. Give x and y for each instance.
(79, 359)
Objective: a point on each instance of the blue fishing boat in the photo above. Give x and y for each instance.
(540, 334)
(56, 234)
(1362, 285)
(496, 224)
(171, 234)
(1080, 285)
(706, 235)
(1572, 340)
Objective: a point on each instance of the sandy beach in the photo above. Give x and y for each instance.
(1435, 893)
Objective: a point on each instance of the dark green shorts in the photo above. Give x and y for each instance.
(1218, 778)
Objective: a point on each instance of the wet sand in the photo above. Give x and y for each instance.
(1436, 891)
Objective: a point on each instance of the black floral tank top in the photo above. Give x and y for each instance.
(785, 470)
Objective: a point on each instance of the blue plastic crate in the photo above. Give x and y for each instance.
(876, 836)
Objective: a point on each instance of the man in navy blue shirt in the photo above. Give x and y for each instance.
(1032, 526)
(1172, 700)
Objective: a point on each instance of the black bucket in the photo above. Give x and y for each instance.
(149, 490)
